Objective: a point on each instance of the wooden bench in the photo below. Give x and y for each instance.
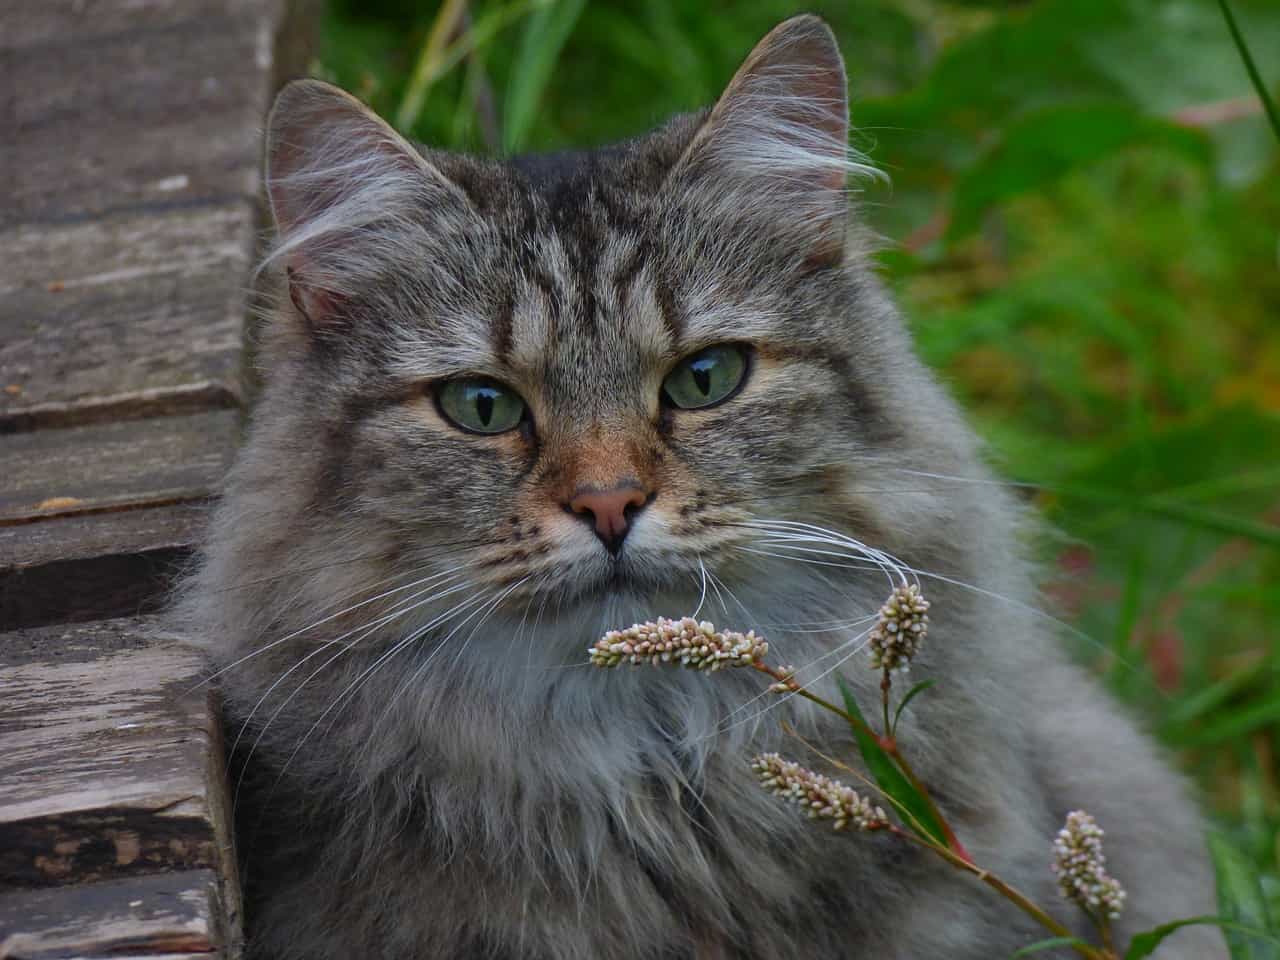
(129, 155)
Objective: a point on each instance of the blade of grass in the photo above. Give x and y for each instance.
(1238, 723)
(1205, 519)
(1254, 76)
(1240, 893)
(544, 38)
(437, 59)
(1211, 698)
(428, 68)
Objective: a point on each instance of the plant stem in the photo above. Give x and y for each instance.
(1104, 928)
(790, 683)
(1254, 76)
(887, 743)
(953, 842)
(1010, 893)
(885, 683)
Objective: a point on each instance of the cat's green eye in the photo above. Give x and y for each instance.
(481, 405)
(708, 377)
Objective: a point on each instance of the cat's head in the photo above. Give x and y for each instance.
(579, 377)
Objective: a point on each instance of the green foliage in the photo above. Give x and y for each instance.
(909, 802)
(1145, 944)
(544, 37)
(907, 697)
(1041, 945)
(1084, 225)
(1241, 903)
(1039, 148)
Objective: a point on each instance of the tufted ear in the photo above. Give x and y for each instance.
(343, 186)
(778, 137)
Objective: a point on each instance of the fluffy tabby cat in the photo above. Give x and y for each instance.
(510, 404)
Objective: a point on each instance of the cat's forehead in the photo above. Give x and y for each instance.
(570, 266)
(579, 272)
(575, 194)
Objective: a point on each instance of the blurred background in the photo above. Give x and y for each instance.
(1082, 223)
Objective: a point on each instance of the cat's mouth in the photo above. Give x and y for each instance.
(627, 577)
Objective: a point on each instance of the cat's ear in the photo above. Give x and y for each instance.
(779, 134)
(342, 186)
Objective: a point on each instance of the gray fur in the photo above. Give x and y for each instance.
(478, 791)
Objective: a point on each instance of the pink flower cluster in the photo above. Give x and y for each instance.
(1079, 865)
(897, 637)
(820, 797)
(685, 643)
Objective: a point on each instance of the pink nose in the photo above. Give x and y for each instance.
(608, 510)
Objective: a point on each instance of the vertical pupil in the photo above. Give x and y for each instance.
(484, 406)
(701, 371)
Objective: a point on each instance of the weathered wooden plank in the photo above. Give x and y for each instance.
(156, 117)
(93, 566)
(96, 520)
(106, 466)
(99, 720)
(87, 536)
(165, 917)
(111, 766)
(52, 22)
(99, 313)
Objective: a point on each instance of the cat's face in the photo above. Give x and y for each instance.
(591, 375)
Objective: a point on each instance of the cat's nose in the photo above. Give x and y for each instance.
(609, 511)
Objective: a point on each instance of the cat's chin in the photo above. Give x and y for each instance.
(642, 588)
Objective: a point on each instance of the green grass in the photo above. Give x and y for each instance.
(1085, 225)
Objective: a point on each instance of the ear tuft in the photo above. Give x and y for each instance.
(780, 133)
(343, 185)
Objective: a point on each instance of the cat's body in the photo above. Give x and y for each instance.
(434, 771)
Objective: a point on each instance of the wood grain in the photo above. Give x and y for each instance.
(96, 520)
(100, 719)
(88, 536)
(112, 763)
(152, 117)
(114, 465)
(129, 150)
(51, 22)
(164, 917)
(112, 786)
(107, 309)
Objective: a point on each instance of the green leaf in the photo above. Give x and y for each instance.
(1049, 944)
(920, 687)
(1144, 944)
(545, 35)
(1241, 900)
(1234, 724)
(911, 803)
(1043, 146)
(1215, 699)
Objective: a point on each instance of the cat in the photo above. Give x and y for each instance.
(511, 404)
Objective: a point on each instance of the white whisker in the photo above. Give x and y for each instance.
(346, 648)
(324, 620)
(702, 597)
